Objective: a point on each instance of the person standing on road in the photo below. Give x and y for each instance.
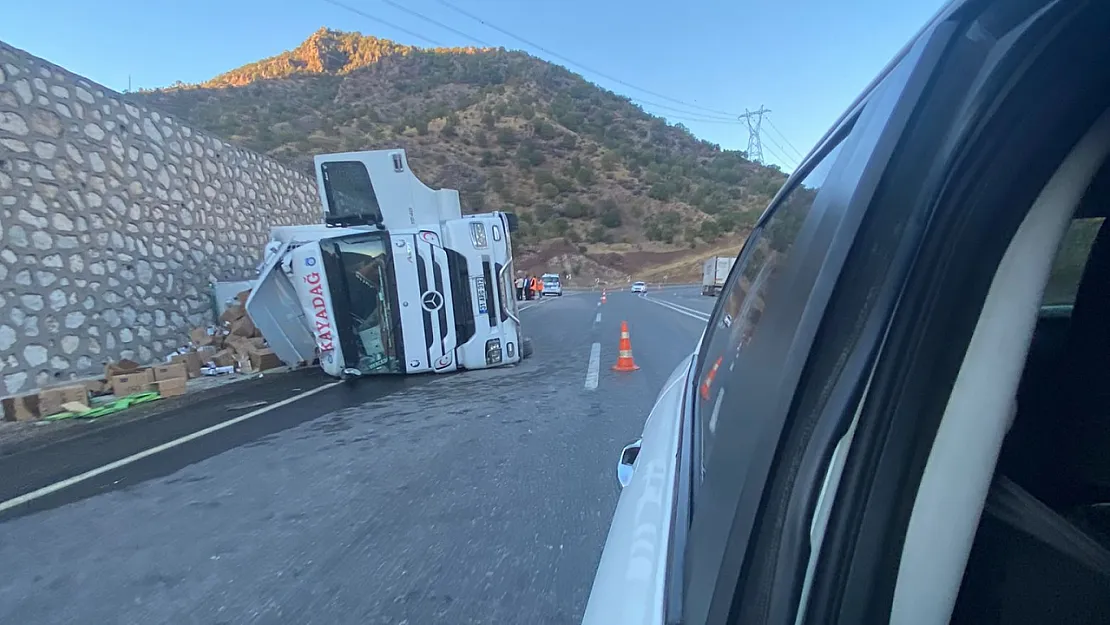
(537, 286)
(519, 284)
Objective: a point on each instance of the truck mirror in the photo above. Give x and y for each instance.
(512, 222)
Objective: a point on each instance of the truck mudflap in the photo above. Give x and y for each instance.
(276, 311)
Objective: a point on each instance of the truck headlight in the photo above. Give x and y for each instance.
(478, 235)
(493, 351)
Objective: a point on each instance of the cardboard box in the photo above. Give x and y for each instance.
(243, 345)
(192, 361)
(223, 358)
(243, 362)
(171, 387)
(75, 406)
(263, 359)
(232, 314)
(51, 399)
(120, 368)
(244, 327)
(170, 371)
(131, 383)
(206, 336)
(97, 387)
(21, 407)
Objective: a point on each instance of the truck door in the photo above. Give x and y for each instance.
(423, 288)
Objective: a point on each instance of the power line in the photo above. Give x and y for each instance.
(697, 117)
(417, 14)
(789, 160)
(755, 150)
(782, 136)
(731, 119)
(380, 20)
(576, 63)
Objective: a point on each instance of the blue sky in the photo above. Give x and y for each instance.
(806, 60)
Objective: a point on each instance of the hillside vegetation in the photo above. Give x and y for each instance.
(603, 188)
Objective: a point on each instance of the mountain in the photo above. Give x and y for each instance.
(603, 188)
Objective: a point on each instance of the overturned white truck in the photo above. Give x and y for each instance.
(396, 279)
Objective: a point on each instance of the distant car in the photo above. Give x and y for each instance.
(639, 287)
(552, 285)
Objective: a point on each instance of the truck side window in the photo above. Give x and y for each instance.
(743, 304)
(349, 191)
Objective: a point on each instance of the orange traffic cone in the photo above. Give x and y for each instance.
(704, 391)
(603, 297)
(624, 354)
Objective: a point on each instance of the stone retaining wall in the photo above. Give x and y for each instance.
(114, 220)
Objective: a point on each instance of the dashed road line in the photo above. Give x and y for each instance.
(594, 367)
(597, 319)
(689, 312)
(122, 462)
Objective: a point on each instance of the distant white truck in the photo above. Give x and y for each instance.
(714, 273)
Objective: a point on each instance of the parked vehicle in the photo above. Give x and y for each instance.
(898, 410)
(714, 273)
(395, 281)
(639, 287)
(552, 285)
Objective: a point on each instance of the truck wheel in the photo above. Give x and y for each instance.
(525, 348)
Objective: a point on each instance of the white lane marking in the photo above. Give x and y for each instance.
(594, 367)
(537, 303)
(597, 319)
(689, 312)
(66, 483)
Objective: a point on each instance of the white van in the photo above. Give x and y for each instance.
(551, 284)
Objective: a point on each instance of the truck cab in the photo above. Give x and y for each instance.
(396, 280)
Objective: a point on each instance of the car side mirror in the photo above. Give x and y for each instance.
(626, 461)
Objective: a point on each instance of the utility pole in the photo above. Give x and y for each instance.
(755, 122)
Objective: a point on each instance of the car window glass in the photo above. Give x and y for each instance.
(743, 301)
(1067, 269)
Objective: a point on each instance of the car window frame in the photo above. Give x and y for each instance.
(715, 324)
(883, 112)
(841, 137)
(690, 441)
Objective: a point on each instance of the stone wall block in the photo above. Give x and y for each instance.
(114, 218)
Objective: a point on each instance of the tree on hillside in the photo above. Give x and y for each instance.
(551, 138)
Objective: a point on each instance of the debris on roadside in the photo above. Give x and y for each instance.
(233, 346)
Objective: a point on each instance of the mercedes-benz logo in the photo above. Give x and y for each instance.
(431, 301)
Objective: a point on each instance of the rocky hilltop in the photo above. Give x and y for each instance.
(603, 188)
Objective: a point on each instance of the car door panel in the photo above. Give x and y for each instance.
(629, 585)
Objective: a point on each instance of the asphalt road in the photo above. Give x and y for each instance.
(481, 497)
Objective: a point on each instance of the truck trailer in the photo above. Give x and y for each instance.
(714, 273)
(396, 280)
